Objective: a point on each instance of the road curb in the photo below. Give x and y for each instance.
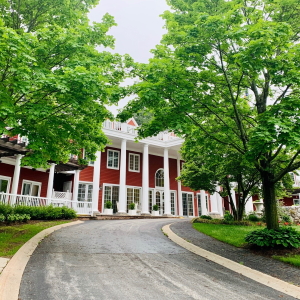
(257, 276)
(10, 278)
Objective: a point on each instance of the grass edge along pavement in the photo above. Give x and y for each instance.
(10, 278)
(14, 236)
(235, 236)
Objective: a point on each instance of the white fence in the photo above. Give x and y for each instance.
(81, 207)
(62, 195)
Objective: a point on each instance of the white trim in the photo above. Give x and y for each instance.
(107, 166)
(139, 159)
(156, 186)
(298, 200)
(87, 183)
(8, 184)
(32, 183)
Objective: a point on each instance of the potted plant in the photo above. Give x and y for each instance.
(132, 210)
(108, 210)
(155, 211)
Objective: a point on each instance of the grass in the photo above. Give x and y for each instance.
(230, 234)
(235, 235)
(13, 237)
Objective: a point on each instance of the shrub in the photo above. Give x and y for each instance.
(132, 206)
(228, 216)
(68, 213)
(286, 219)
(253, 217)
(206, 217)
(6, 209)
(284, 236)
(2, 218)
(108, 205)
(155, 207)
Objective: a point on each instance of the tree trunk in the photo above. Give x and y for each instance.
(241, 208)
(270, 202)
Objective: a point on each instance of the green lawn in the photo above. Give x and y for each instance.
(235, 235)
(13, 237)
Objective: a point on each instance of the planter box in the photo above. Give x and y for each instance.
(155, 213)
(108, 211)
(258, 207)
(132, 212)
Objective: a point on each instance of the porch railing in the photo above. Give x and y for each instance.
(81, 207)
(62, 195)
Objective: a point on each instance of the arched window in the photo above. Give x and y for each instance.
(159, 177)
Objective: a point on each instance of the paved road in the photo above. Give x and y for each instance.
(128, 259)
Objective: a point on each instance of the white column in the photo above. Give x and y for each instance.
(249, 205)
(15, 183)
(167, 182)
(232, 192)
(203, 202)
(145, 182)
(96, 183)
(50, 181)
(219, 201)
(75, 185)
(122, 189)
(214, 203)
(180, 212)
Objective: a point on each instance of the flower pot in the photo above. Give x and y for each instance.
(108, 211)
(155, 213)
(258, 207)
(132, 212)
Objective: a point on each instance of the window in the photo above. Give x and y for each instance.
(134, 162)
(85, 192)
(86, 155)
(31, 188)
(296, 201)
(159, 177)
(113, 159)
(199, 204)
(133, 196)
(4, 184)
(150, 200)
(187, 204)
(172, 196)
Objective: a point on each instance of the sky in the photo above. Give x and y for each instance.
(139, 28)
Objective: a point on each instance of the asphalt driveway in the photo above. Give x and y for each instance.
(128, 259)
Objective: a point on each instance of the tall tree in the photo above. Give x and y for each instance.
(232, 69)
(53, 81)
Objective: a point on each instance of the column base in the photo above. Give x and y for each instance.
(145, 214)
(121, 213)
(95, 213)
(168, 215)
(215, 215)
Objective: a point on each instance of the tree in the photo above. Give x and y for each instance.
(53, 81)
(231, 68)
(209, 164)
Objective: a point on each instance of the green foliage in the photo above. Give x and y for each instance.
(36, 212)
(2, 218)
(228, 72)
(228, 216)
(205, 217)
(253, 217)
(108, 204)
(286, 218)
(132, 206)
(155, 207)
(283, 237)
(54, 83)
(17, 218)
(223, 222)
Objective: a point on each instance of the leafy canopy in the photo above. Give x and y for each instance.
(53, 81)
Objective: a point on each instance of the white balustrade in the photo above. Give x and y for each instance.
(81, 207)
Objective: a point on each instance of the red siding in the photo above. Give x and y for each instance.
(134, 178)
(155, 163)
(87, 174)
(7, 170)
(28, 174)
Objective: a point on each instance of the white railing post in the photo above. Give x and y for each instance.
(96, 183)
(122, 189)
(15, 184)
(180, 213)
